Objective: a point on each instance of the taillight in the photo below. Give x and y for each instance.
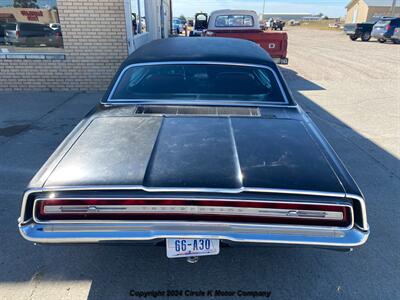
(388, 27)
(193, 210)
(17, 34)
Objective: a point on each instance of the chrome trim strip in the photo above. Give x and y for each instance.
(110, 100)
(94, 233)
(125, 102)
(365, 225)
(197, 210)
(195, 199)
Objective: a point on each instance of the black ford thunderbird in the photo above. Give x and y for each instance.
(197, 143)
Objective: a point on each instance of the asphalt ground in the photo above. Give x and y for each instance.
(350, 89)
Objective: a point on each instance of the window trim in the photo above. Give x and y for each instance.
(33, 55)
(206, 102)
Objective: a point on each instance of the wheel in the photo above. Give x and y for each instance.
(366, 36)
(396, 41)
(353, 37)
(382, 41)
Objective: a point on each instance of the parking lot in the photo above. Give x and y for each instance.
(350, 89)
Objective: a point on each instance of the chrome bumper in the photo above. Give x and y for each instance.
(281, 61)
(237, 233)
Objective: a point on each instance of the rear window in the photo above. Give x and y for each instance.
(199, 82)
(383, 23)
(32, 27)
(11, 26)
(234, 21)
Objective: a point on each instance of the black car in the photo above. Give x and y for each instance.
(385, 28)
(360, 30)
(2, 32)
(225, 157)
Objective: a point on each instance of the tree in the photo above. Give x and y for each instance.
(26, 3)
(182, 18)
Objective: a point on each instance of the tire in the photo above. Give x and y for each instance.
(366, 36)
(382, 41)
(396, 41)
(353, 37)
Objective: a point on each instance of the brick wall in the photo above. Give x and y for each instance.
(94, 45)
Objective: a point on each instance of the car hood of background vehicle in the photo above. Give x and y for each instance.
(196, 152)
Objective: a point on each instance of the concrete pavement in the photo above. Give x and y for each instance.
(359, 116)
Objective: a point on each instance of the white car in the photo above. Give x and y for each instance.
(55, 26)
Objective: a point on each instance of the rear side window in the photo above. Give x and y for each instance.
(32, 27)
(11, 26)
(234, 21)
(383, 23)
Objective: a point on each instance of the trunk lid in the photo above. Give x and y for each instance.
(196, 152)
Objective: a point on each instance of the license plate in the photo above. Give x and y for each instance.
(191, 247)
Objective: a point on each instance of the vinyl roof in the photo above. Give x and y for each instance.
(200, 49)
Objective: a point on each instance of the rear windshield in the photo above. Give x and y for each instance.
(234, 21)
(199, 82)
(383, 23)
(32, 27)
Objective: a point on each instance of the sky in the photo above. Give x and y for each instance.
(332, 8)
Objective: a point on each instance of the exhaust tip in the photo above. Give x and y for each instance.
(192, 259)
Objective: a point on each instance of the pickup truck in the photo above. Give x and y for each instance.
(361, 30)
(244, 24)
(200, 24)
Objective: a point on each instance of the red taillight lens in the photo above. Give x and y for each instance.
(388, 27)
(193, 210)
(17, 34)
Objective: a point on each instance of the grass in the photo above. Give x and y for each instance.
(320, 24)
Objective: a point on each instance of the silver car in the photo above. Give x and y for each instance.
(396, 36)
(384, 29)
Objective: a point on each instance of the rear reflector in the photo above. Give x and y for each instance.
(192, 210)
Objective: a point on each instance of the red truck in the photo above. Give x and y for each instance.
(244, 24)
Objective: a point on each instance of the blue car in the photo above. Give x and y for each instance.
(177, 26)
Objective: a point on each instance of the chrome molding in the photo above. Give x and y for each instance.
(94, 232)
(361, 200)
(173, 190)
(280, 212)
(149, 231)
(186, 209)
(110, 101)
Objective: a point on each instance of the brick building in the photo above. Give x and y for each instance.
(97, 35)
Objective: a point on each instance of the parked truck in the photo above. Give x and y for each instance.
(361, 30)
(244, 24)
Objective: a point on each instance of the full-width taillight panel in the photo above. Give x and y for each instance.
(47, 210)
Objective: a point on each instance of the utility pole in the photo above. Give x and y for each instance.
(264, 7)
(393, 8)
